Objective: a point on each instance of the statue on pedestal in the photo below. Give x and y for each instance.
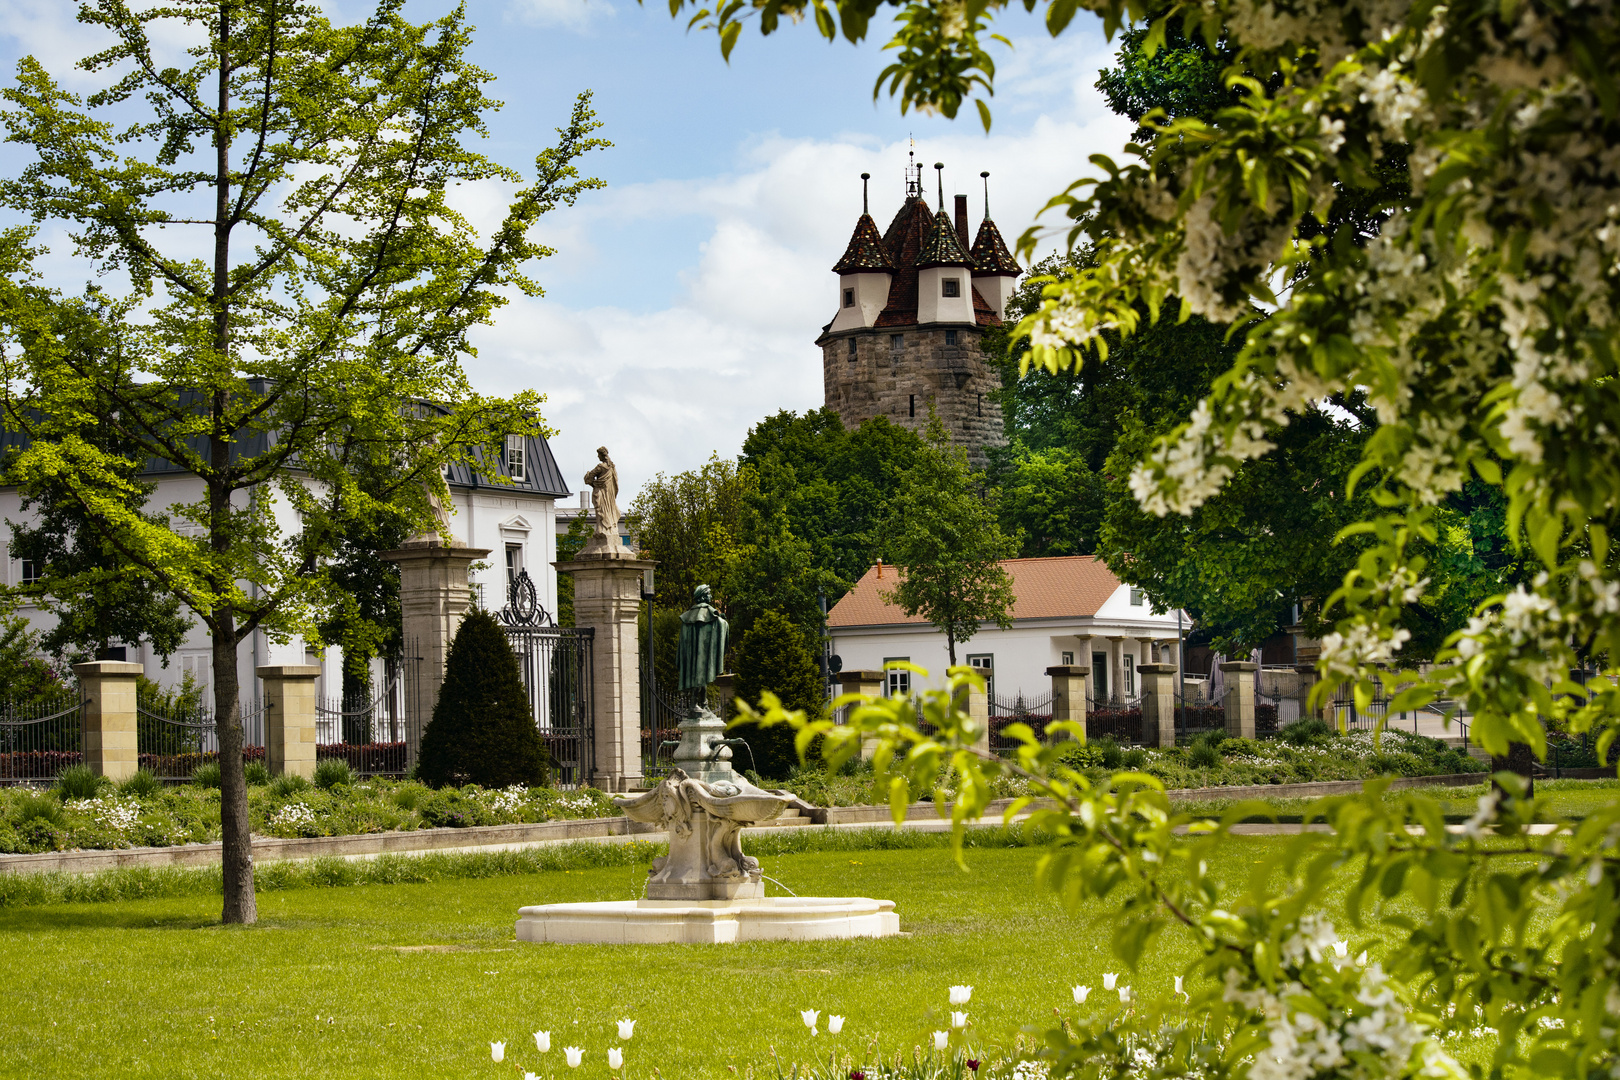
(705, 823)
(701, 656)
(604, 484)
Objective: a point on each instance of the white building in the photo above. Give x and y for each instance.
(1069, 610)
(517, 522)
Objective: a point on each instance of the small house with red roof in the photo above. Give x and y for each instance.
(914, 303)
(1066, 610)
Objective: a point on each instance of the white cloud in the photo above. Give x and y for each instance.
(576, 15)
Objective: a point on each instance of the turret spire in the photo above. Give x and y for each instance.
(985, 176)
(939, 174)
(865, 207)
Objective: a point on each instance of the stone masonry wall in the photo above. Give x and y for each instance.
(900, 383)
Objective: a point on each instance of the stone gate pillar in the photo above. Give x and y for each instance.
(1069, 692)
(108, 687)
(607, 598)
(433, 599)
(289, 708)
(1158, 704)
(1240, 697)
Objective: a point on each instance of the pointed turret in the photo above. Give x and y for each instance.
(995, 271)
(944, 288)
(864, 273)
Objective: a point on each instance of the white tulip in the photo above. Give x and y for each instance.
(1179, 990)
(1081, 993)
(809, 1017)
(1109, 980)
(627, 1028)
(542, 1041)
(835, 1024)
(1361, 961)
(1341, 949)
(615, 1059)
(958, 1019)
(531, 1076)
(497, 1051)
(941, 1039)
(1124, 995)
(960, 995)
(575, 1056)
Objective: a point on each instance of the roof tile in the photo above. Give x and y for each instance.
(865, 251)
(1048, 588)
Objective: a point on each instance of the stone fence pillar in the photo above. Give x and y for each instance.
(433, 599)
(1158, 704)
(725, 692)
(978, 707)
(1308, 678)
(607, 598)
(108, 689)
(861, 681)
(289, 718)
(1069, 692)
(1240, 697)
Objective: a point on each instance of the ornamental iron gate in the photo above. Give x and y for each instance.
(40, 739)
(555, 662)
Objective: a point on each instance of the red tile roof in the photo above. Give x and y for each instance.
(990, 254)
(865, 251)
(1052, 588)
(943, 248)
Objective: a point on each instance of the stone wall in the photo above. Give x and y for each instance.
(900, 384)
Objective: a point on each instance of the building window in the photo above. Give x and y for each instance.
(852, 350)
(952, 286)
(1068, 658)
(514, 457)
(1129, 663)
(514, 563)
(913, 405)
(1136, 598)
(30, 572)
(897, 342)
(985, 664)
(899, 679)
(849, 297)
(950, 337)
(978, 406)
(1099, 676)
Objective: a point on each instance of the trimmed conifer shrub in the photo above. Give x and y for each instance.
(774, 656)
(482, 731)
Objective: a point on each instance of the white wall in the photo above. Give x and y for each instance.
(932, 303)
(871, 295)
(497, 520)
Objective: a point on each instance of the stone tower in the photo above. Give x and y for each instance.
(913, 305)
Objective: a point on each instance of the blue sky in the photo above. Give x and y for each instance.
(685, 299)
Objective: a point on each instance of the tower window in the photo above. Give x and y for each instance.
(952, 286)
(897, 342)
(913, 404)
(980, 405)
(950, 337)
(849, 297)
(852, 350)
(514, 457)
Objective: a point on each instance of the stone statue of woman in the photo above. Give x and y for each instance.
(604, 484)
(701, 655)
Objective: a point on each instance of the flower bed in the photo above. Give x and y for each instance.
(189, 813)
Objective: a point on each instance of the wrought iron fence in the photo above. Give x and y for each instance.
(1359, 717)
(40, 739)
(555, 662)
(1018, 709)
(172, 741)
(660, 725)
(369, 731)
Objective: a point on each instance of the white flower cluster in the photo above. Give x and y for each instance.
(576, 802)
(1214, 261)
(109, 812)
(294, 817)
(1183, 475)
(1031, 1070)
(1361, 646)
(508, 800)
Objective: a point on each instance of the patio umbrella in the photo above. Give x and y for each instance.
(1217, 681)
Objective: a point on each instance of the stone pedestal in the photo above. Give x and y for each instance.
(289, 719)
(607, 598)
(108, 715)
(713, 922)
(696, 754)
(1069, 692)
(1158, 704)
(1239, 701)
(433, 599)
(868, 683)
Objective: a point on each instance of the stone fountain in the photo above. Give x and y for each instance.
(706, 889)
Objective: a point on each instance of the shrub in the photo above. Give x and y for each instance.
(78, 782)
(482, 731)
(37, 834)
(287, 784)
(142, 782)
(774, 656)
(1306, 732)
(332, 772)
(206, 775)
(256, 772)
(409, 796)
(1133, 759)
(1204, 754)
(40, 808)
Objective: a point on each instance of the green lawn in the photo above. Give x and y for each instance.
(416, 980)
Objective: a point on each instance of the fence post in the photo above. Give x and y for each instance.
(289, 725)
(607, 598)
(869, 683)
(433, 599)
(978, 707)
(725, 689)
(1069, 692)
(1308, 679)
(108, 688)
(1158, 704)
(1240, 697)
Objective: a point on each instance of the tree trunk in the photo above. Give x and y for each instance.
(235, 829)
(1519, 759)
(950, 646)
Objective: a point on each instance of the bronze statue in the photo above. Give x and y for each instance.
(701, 656)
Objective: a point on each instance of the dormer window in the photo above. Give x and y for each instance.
(514, 458)
(849, 297)
(952, 286)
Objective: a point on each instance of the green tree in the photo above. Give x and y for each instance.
(946, 546)
(336, 297)
(569, 544)
(83, 580)
(695, 524)
(482, 731)
(28, 679)
(775, 656)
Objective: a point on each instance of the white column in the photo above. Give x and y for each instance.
(1116, 667)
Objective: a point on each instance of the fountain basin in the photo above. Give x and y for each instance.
(655, 922)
